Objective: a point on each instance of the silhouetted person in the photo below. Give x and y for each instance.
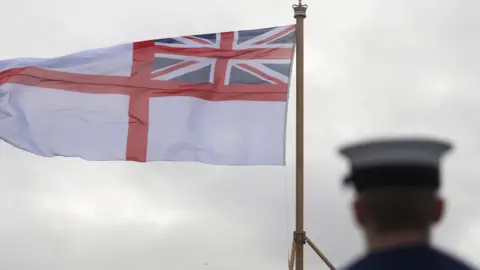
(397, 203)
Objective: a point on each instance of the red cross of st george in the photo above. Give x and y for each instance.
(140, 86)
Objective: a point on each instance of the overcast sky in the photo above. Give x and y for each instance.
(373, 68)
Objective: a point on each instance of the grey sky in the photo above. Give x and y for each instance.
(373, 67)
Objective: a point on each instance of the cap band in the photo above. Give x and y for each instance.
(405, 175)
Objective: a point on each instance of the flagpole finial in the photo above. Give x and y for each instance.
(300, 10)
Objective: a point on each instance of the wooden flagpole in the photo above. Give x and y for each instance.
(299, 236)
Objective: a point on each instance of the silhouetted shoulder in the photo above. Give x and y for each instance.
(411, 258)
(451, 261)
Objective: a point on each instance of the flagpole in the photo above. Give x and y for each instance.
(299, 236)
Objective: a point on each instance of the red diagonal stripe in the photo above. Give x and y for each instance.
(261, 73)
(199, 40)
(173, 68)
(277, 35)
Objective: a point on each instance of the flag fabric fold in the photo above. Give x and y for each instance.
(213, 98)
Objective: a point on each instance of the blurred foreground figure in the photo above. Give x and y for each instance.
(397, 203)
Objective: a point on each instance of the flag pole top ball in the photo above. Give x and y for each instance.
(408, 162)
(300, 10)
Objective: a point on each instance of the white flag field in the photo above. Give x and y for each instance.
(216, 98)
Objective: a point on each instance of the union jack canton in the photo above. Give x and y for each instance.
(248, 57)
